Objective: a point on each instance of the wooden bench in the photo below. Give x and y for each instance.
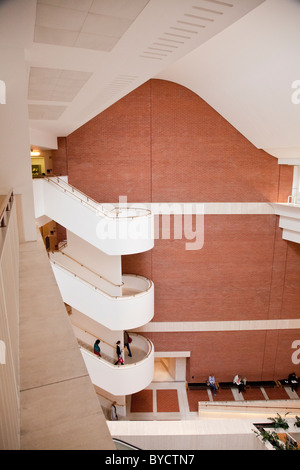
(197, 386)
(228, 385)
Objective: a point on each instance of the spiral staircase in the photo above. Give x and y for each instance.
(88, 270)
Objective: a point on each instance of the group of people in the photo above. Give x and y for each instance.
(238, 381)
(119, 349)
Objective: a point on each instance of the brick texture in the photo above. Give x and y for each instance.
(227, 353)
(59, 158)
(163, 143)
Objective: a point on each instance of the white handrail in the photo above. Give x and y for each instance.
(116, 213)
(86, 267)
(123, 366)
(102, 292)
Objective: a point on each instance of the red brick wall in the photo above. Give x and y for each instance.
(244, 271)
(162, 143)
(258, 355)
(110, 155)
(59, 158)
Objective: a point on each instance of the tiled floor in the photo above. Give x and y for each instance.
(172, 401)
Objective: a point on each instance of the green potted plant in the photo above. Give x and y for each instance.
(271, 437)
(280, 422)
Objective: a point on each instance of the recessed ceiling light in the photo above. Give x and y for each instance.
(191, 24)
(185, 30)
(220, 3)
(208, 10)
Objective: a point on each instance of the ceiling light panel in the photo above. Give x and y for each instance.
(45, 112)
(81, 5)
(88, 24)
(119, 8)
(47, 84)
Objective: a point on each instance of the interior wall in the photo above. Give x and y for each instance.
(109, 267)
(14, 123)
(9, 336)
(163, 143)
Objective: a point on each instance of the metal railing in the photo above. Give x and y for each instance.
(294, 199)
(86, 267)
(111, 361)
(5, 207)
(101, 291)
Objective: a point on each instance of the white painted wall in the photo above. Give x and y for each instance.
(108, 266)
(200, 434)
(120, 313)
(15, 160)
(9, 335)
(112, 235)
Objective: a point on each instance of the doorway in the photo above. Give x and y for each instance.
(169, 369)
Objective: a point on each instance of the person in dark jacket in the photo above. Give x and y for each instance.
(97, 350)
(293, 381)
(119, 353)
(127, 340)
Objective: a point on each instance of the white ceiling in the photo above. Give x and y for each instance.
(241, 56)
(247, 73)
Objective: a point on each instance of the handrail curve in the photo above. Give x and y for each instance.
(113, 346)
(86, 267)
(92, 334)
(102, 292)
(123, 366)
(97, 207)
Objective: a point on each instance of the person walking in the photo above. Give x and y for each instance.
(97, 350)
(113, 412)
(127, 341)
(120, 353)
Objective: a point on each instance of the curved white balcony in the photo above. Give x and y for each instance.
(123, 307)
(119, 231)
(135, 375)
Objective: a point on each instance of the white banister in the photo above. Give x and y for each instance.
(122, 379)
(117, 232)
(114, 312)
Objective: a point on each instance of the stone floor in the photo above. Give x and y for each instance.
(171, 400)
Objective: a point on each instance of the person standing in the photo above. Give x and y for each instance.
(113, 412)
(127, 340)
